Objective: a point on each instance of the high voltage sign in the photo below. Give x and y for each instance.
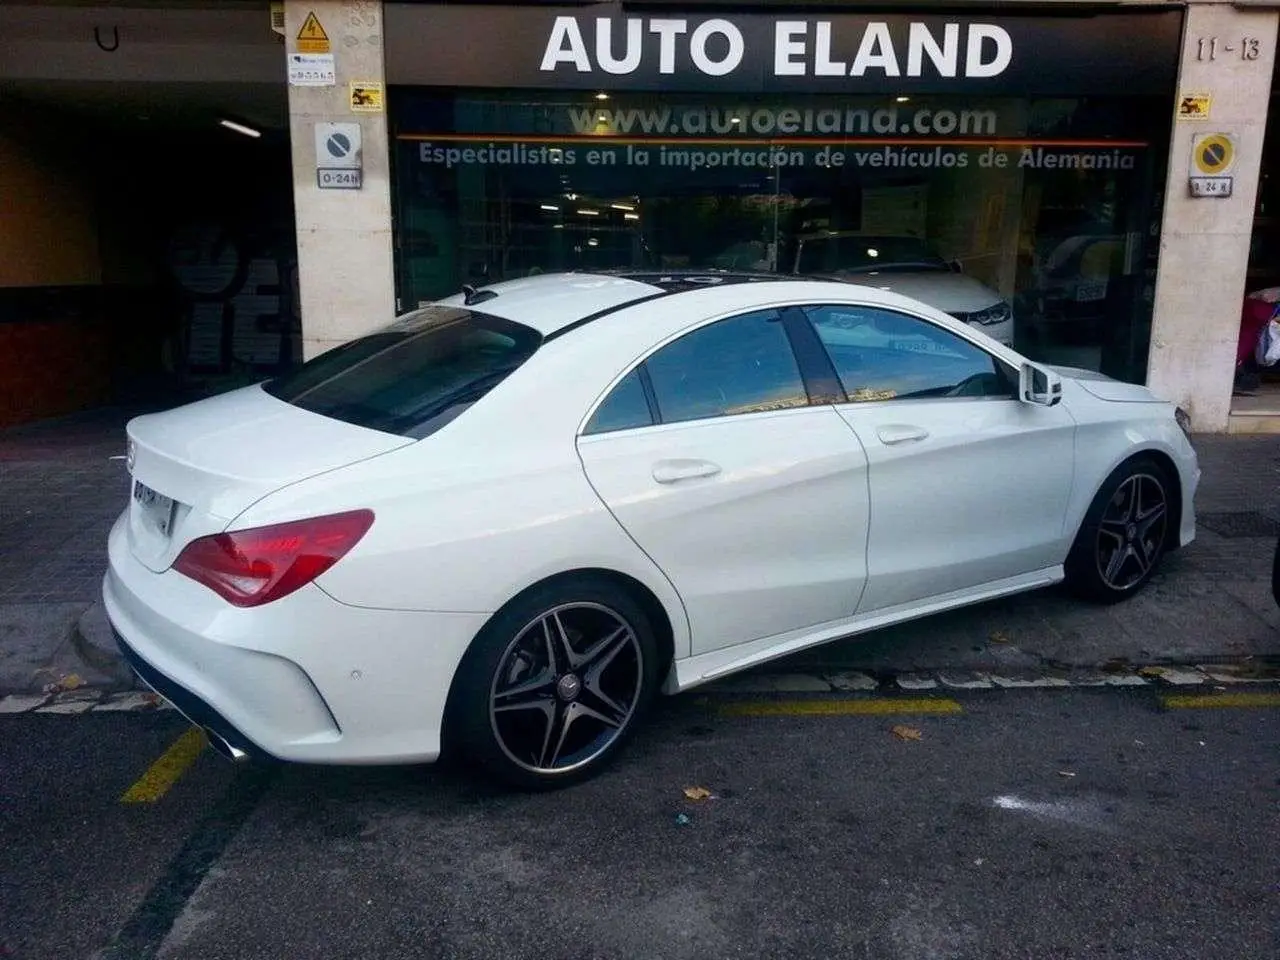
(312, 38)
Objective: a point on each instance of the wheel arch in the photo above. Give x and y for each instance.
(653, 607)
(1163, 460)
(1170, 467)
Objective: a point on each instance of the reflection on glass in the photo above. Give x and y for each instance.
(1012, 215)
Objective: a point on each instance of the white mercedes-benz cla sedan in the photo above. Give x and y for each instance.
(499, 526)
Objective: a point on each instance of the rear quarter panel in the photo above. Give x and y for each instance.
(492, 504)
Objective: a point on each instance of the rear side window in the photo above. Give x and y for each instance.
(414, 376)
(625, 408)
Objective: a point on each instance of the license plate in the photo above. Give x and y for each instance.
(1091, 290)
(155, 507)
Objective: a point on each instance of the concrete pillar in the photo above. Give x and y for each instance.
(345, 264)
(1204, 244)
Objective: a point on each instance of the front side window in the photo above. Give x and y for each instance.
(414, 376)
(741, 365)
(883, 355)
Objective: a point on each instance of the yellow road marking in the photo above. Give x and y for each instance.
(170, 765)
(839, 708)
(1194, 701)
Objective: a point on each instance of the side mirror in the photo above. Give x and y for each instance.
(1038, 385)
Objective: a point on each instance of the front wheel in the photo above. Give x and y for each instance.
(555, 683)
(1124, 534)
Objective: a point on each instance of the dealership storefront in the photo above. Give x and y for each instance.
(1015, 163)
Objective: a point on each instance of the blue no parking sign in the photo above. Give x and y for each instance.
(339, 156)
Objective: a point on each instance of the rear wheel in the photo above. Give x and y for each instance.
(555, 684)
(1124, 535)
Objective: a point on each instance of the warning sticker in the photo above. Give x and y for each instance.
(312, 38)
(366, 96)
(1194, 106)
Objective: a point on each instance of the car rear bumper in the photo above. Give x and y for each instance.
(223, 735)
(305, 678)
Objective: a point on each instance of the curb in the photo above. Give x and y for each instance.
(84, 700)
(111, 664)
(94, 644)
(1217, 676)
(843, 683)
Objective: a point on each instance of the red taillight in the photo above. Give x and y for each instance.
(253, 567)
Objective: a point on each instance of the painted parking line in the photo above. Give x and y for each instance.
(878, 707)
(167, 769)
(1209, 701)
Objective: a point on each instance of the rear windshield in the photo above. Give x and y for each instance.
(414, 376)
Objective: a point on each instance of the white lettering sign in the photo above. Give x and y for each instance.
(801, 48)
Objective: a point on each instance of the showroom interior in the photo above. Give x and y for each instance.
(176, 251)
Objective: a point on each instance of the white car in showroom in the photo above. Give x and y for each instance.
(906, 265)
(500, 525)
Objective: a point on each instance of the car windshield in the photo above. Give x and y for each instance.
(863, 254)
(414, 376)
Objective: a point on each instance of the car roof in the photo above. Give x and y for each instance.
(553, 302)
(557, 303)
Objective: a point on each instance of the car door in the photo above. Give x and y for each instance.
(751, 499)
(969, 485)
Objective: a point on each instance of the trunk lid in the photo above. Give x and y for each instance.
(194, 469)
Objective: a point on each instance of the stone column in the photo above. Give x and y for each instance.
(1204, 245)
(345, 263)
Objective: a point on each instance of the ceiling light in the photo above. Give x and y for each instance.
(240, 128)
(593, 242)
(551, 207)
(622, 206)
(902, 99)
(602, 95)
(872, 252)
(588, 212)
(631, 216)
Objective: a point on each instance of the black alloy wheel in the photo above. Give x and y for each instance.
(1124, 535)
(555, 684)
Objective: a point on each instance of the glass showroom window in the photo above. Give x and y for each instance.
(1029, 219)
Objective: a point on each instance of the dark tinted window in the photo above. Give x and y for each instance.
(414, 376)
(625, 407)
(882, 355)
(740, 365)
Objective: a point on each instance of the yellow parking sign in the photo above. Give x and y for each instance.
(1213, 154)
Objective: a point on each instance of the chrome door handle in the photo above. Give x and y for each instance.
(673, 471)
(892, 433)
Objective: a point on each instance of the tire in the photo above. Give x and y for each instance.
(555, 684)
(1121, 541)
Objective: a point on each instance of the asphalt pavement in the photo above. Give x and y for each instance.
(1057, 787)
(1021, 824)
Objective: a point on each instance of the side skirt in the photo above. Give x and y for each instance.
(693, 671)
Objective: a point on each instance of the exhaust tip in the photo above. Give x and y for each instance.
(225, 749)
